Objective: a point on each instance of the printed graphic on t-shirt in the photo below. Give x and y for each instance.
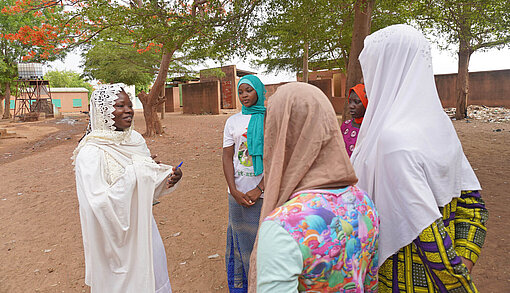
(244, 155)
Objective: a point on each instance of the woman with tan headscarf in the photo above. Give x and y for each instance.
(318, 231)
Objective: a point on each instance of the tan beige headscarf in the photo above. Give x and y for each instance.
(303, 149)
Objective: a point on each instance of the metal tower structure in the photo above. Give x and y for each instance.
(32, 93)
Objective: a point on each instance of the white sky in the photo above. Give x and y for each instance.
(443, 62)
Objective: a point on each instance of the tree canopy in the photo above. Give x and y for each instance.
(13, 49)
(471, 26)
(67, 78)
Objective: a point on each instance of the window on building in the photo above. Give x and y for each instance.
(57, 103)
(11, 105)
(76, 103)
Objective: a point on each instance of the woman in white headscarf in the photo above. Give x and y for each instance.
(410, 160)
(117, 181)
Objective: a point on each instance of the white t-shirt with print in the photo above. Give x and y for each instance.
(236, 129)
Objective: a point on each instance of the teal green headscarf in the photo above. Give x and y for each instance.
(255, 135)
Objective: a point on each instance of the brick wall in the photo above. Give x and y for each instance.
(201, 98)
(489, 88)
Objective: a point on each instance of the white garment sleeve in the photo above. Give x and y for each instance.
(163, 172)
(228, 137)
(279, 260)
(110, 203)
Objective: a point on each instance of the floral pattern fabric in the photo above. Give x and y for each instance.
(337, 234)
(350, 135)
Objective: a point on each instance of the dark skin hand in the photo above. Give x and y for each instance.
(255, 193)
(174, 177)
(469, 264)
(244, 199)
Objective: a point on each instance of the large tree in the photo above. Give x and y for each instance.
(302, 34)
(472, 26)
(13, 50)
(361, 29)
(111, 62)
(179, 28)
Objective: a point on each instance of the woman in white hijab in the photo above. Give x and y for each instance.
(410, 160)
(117, 181)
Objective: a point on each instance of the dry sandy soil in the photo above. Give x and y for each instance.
(40, 239)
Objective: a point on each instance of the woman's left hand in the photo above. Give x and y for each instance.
(469, 264)
(254, 194)
(174, 178)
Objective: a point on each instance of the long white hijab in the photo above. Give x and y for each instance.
(408, 156)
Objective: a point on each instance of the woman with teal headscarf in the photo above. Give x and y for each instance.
(243, 150)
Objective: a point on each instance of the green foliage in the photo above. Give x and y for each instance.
(481, 24)
(213, 72)
(67, 78)
(112, 62)
(11, 52)
(286, 27)
(126, 42)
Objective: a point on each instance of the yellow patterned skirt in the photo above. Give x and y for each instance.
(432, 263)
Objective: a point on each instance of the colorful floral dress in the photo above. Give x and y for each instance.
(336, 232)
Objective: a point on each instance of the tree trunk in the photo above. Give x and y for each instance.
(163, 105)
(463, 80)
(361, 29)
(2, 98)
(7, 110)
(153, 99)
(305, 63)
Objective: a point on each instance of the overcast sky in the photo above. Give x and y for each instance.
(443, 62)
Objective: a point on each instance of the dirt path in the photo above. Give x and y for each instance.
(40, 237)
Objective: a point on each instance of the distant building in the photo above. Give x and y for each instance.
(67, 100)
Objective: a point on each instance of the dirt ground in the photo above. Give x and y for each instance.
(41, 247)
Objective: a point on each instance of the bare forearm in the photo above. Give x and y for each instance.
(228, 167)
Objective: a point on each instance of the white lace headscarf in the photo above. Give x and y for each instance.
(408, 156)
(101, 126)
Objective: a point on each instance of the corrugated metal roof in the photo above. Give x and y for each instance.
(68, 90)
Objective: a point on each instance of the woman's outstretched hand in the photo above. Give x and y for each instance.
(174, 177)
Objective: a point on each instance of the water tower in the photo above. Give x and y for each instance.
(33, 96)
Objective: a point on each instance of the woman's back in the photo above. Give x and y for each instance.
(336, 232)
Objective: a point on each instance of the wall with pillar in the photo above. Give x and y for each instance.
(228, 86)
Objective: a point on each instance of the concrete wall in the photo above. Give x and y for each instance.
(172, 102)
(489, 88)
(201, 98)
(228, 87)
(326, 86)
(66, 100)
(271, 88)
(332, 84)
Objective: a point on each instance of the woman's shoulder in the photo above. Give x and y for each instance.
(136, 137)
(87, 153)
(237, 119)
